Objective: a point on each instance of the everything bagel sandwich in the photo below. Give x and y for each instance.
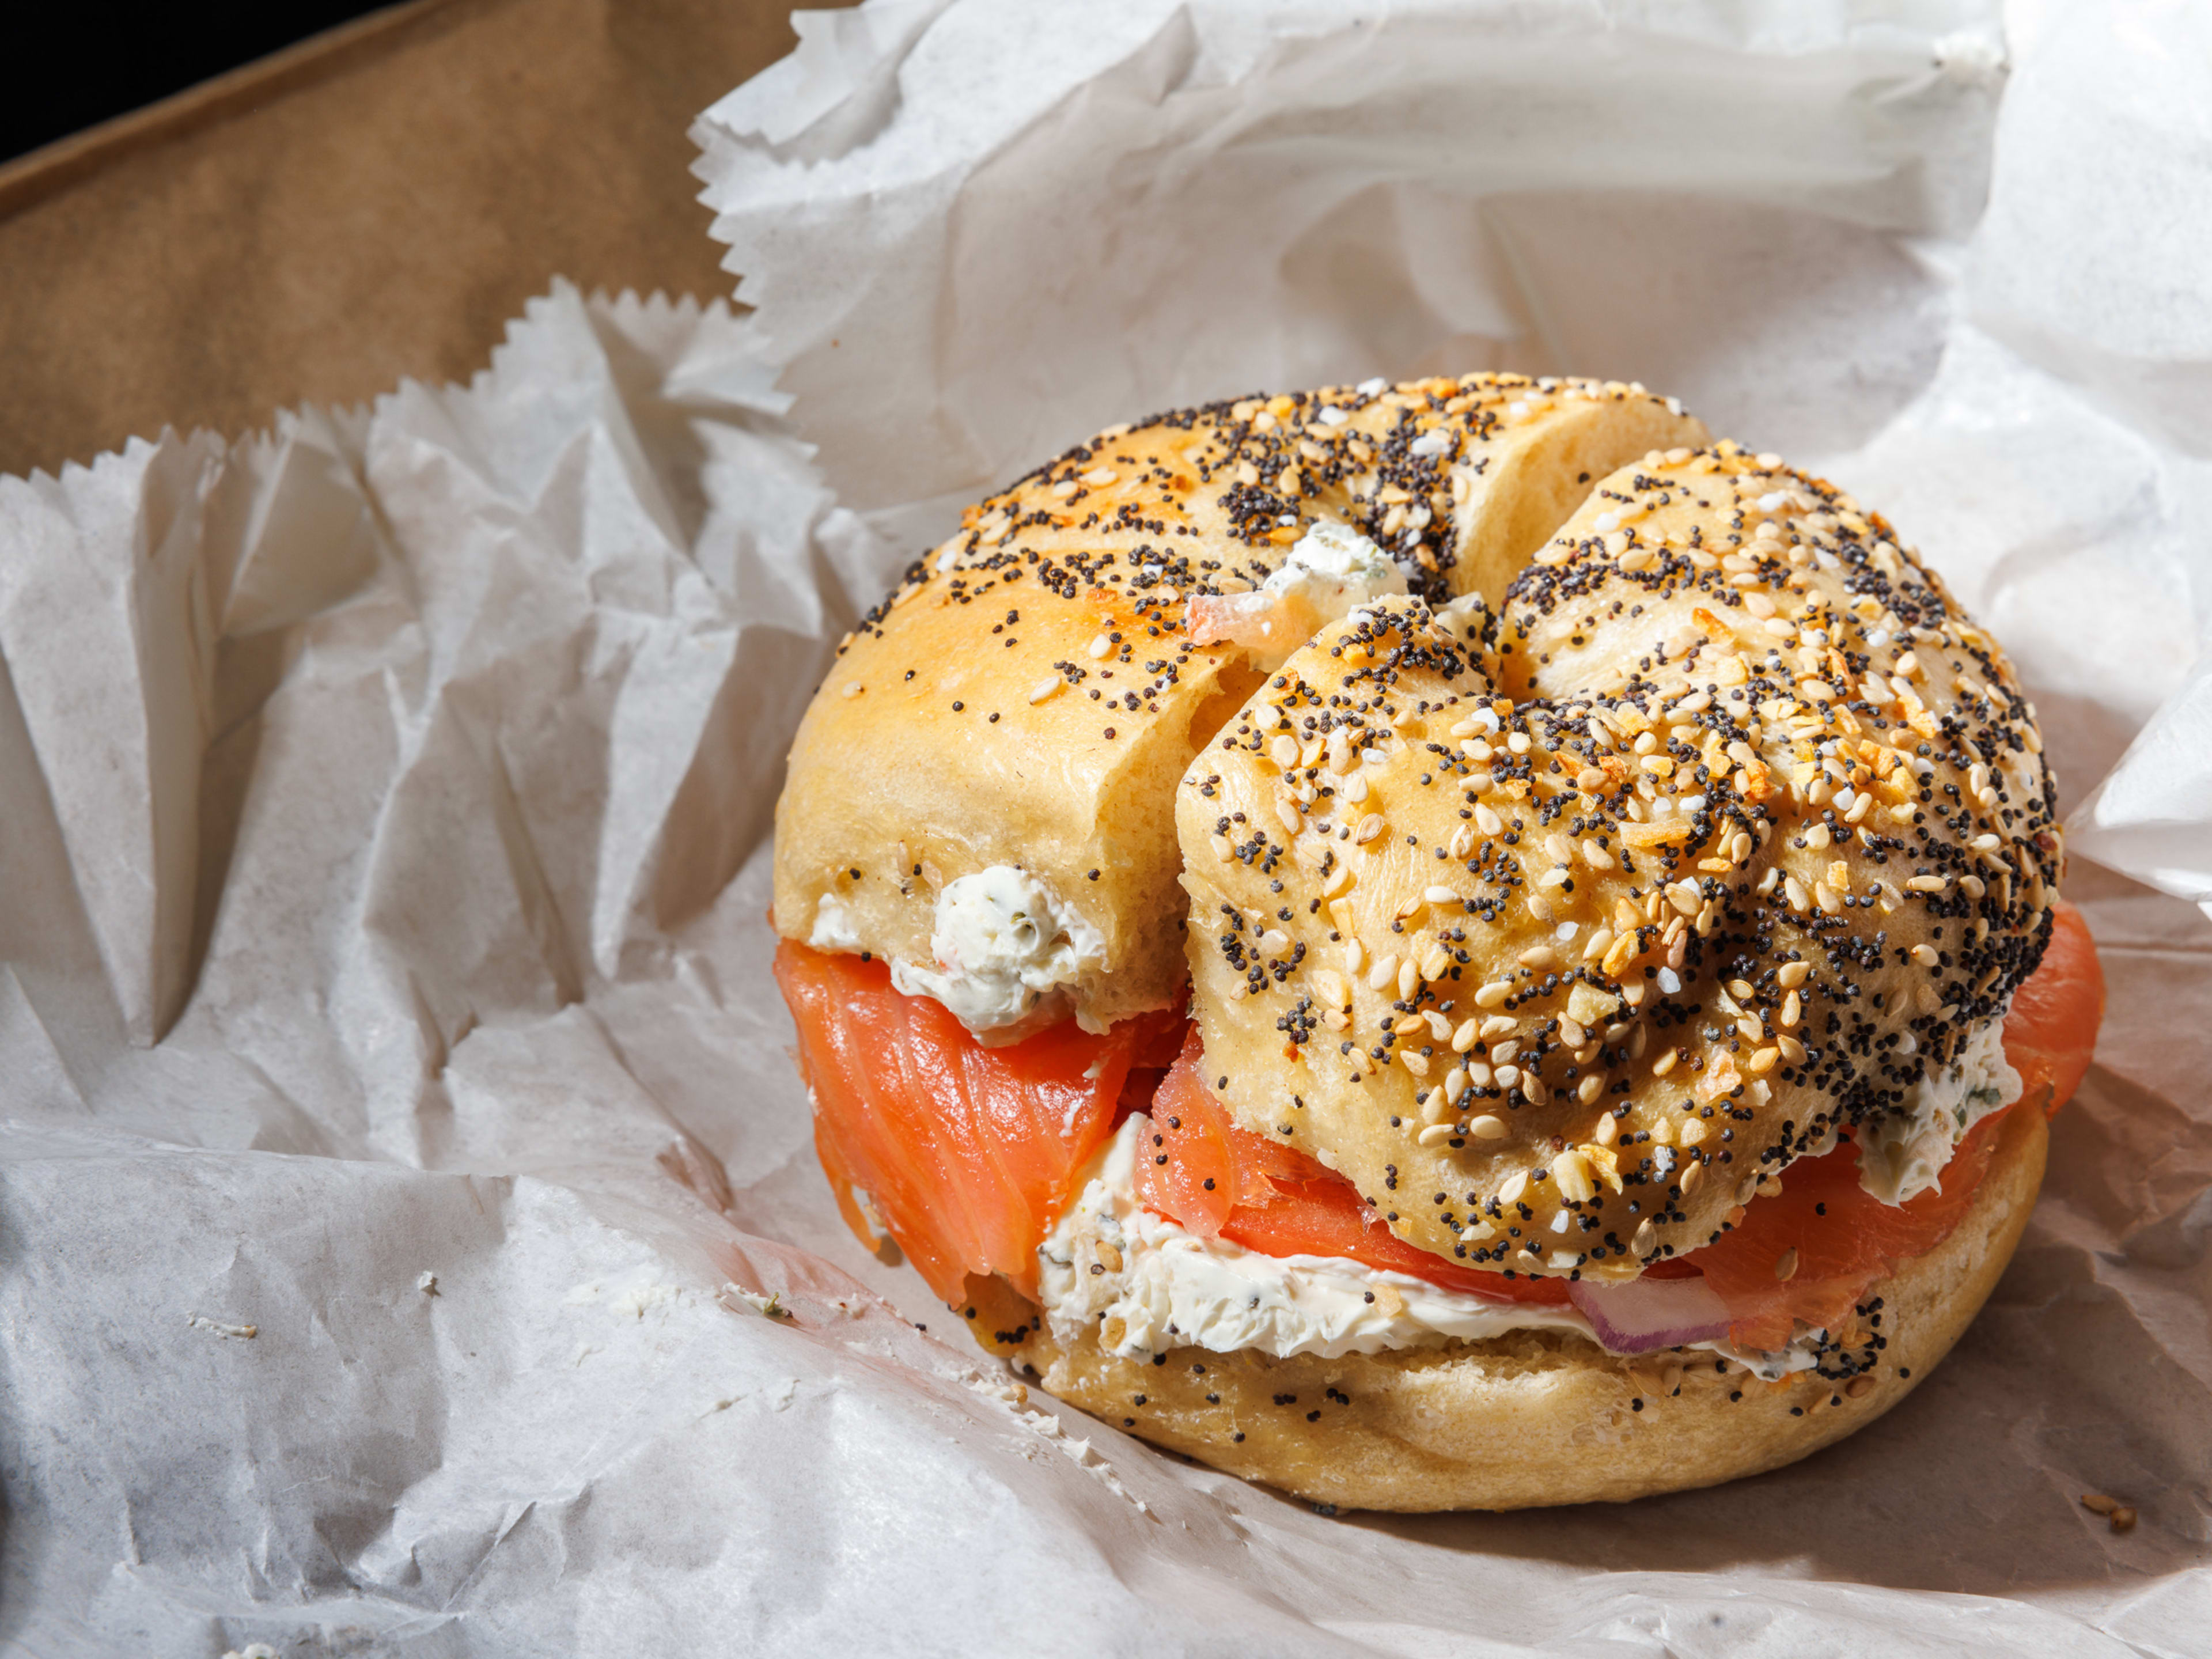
(1453, 945)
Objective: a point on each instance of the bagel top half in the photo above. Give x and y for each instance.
(1558, 931)
(1027, 697)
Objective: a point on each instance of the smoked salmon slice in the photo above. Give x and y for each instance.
(966, 1154)
(1218, 1180)
(1843, 1238)
(1204, 1168)
(2051, 1033)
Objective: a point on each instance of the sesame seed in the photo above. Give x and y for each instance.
(1576, 1181)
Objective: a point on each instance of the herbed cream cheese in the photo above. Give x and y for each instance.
(1329, 573)
(1147, 1284)
(1903, 1154)
(1335, 569)
(1006, 947)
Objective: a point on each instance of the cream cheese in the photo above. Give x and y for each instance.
(1903, 1154)
(1333, 570)
(1329, 573)
(833, 926)
(1800, 1353)
(1006, 947)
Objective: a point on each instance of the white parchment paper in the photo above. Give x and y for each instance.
(397, 1143)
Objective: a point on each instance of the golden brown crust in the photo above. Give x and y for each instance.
(1556, 948)
(1028, 695)
(1547, 1418)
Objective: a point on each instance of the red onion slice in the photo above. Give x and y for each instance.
(1651, 1313)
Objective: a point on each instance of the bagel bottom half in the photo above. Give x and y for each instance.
(1545, 1417)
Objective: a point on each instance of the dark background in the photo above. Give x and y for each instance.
(84, 63)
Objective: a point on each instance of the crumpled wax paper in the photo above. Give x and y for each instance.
(410, 1238)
